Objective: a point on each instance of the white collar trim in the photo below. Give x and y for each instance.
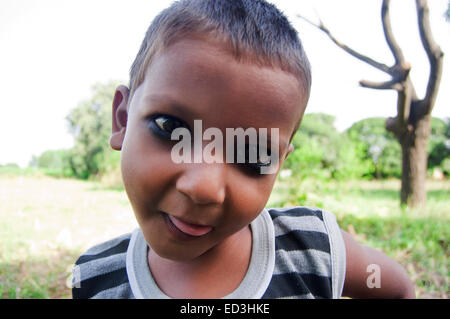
(253, 285)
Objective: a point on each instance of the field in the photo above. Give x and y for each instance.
(45, 223)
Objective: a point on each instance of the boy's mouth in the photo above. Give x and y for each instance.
(191, 230)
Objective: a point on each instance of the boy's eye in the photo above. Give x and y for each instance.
(261, 160)
(164, 125)
(264, 160)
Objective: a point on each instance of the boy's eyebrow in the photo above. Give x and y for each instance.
(178, 107)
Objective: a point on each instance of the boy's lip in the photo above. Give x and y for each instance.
(185, 229)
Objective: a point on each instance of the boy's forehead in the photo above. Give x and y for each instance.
(202, 77)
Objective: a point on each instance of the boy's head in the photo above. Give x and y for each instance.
(230, 64)
(253, 30)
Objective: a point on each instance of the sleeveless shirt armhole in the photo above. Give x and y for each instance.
(338, 256)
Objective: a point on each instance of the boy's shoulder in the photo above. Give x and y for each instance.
(310, 253)
(303, 218)
(297, 211)
(101, 272)
(307, 227)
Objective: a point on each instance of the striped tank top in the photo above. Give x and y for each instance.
(297, 252)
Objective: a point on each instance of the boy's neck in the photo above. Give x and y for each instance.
(214, 274)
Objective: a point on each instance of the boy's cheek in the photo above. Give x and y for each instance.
(251, 194)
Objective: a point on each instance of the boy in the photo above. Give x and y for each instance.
(204, 231)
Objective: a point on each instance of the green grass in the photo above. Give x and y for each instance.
(417, 238)
(46, 223)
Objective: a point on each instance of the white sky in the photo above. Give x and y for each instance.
(53, 51)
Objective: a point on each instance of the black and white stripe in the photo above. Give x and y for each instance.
(303, 257)
(101, 271)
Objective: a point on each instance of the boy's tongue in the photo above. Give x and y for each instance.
(190, 229)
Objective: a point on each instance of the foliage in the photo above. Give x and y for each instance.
(378, 145)
(320, 151)
(439, 143)
(384, 151)
(90, 124)
(445, 165)
(10, 169)
(53, 162)
(365, 150)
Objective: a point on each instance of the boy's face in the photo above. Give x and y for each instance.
(199, 80)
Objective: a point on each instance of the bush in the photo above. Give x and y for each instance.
(378, 146)
(439, 143)
(54, 162)
(90, 124)
(445, 166)
(320, 151)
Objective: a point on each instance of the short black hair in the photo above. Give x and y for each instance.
(254, 29)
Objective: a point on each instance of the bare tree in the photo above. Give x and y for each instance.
(411, 126)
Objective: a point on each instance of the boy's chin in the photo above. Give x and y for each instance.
(180, 254)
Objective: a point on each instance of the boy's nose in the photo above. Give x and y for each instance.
(204, 183)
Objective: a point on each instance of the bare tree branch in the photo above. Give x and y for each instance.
(388, 85)
(380, 66)
(404, 105)
(397, 82)
(434, 54)
(389, 36)
(391, 125)
(400, 80)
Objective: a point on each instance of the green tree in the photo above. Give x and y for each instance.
(90, 124)
(378, 145)
(321, 151)
(383, 150)
(54, 162)
(439, 144)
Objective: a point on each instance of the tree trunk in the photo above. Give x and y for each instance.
(414, 163)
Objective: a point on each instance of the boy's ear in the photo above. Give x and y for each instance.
(119, 117)
(290, 150)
